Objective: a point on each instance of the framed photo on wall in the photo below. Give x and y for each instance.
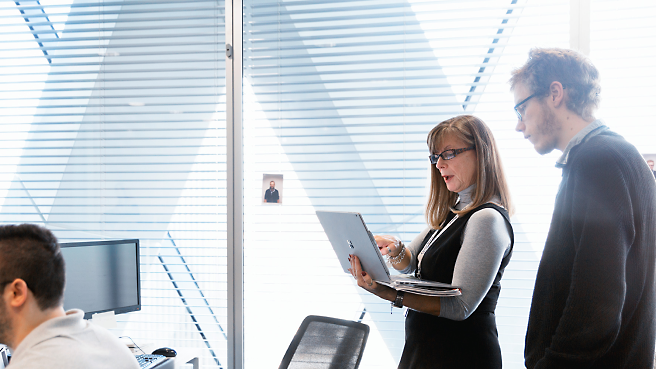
(650, 159)
(272, 185)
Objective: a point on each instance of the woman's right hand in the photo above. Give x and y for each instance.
(388, 245)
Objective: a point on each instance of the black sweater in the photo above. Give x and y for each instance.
(594, 298)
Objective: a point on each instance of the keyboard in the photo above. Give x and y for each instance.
(149, 361)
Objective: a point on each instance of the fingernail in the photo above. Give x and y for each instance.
(364, 274)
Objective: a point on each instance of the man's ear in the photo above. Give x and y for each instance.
(15, 293)
(557, 94)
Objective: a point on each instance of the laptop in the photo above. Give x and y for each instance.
(348, 234)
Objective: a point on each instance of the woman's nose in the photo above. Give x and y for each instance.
(441, 163)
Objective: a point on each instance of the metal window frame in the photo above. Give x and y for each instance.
(579, 26)
(235, 186)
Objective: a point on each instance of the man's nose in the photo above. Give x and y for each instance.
(520, 126)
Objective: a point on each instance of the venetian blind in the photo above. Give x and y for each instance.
(113, 127)
(338, 97)
(624, 54)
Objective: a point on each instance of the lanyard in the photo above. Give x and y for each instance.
(430, 242)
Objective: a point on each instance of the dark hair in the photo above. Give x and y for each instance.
(32, 253)
(490, 177)
(572, 69)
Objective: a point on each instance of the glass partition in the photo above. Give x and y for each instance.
(338, 98)
(113, 127)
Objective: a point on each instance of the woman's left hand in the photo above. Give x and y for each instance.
(364, 280)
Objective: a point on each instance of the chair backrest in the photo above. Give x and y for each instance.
(326, 343)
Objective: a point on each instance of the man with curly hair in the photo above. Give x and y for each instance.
(594, 299)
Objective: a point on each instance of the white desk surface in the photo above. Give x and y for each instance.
(184, 356)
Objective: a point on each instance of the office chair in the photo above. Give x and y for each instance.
(326, 343)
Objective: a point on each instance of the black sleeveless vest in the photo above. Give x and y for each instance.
(434, 342)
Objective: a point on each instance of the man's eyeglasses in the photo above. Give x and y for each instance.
(519, 108)
(448, 154)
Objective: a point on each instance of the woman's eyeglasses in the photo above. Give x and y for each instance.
(448, 154)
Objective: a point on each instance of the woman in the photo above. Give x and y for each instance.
(468, 244)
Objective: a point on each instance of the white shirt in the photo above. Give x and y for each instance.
(70, 342)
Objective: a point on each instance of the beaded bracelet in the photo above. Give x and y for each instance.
(395, 260)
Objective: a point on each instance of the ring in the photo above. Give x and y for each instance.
(371, 284)
(389, 251)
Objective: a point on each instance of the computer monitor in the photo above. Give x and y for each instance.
(102, 276)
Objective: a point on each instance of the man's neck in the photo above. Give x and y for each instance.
(571, 124)
(32, 317)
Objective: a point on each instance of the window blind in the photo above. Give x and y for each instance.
(113, 126)
(338, 99)
(624, 56)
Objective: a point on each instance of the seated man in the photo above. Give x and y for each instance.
(32, 318)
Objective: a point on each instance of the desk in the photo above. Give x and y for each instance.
(181, 361)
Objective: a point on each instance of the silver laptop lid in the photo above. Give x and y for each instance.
(348, 234)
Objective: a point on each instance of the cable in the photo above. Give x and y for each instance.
(135, 344)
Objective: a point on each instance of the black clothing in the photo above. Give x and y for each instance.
(593, 303)
(435, 342)
(271, 195)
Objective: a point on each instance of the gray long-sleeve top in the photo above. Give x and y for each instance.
(485, 241)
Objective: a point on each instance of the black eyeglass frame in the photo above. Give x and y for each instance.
(519, 115)
(454, 152)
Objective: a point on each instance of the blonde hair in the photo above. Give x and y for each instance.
(490, 179)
